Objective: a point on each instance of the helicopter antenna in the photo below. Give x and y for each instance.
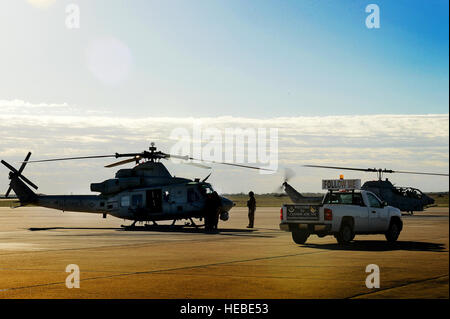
(204, 180)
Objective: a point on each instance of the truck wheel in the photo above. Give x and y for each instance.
(300, 236)
(345, 235)
(392, 233)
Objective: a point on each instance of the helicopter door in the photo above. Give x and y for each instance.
(177, 199)
(193, 199)
(154, 201)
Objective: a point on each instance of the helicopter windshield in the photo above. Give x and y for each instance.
(206, 189)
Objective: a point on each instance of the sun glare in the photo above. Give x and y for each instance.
(41, 3)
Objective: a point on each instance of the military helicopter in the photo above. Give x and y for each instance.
(407, 199)
(145, 193)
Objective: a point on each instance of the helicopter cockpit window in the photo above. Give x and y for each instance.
(206, 189)
(373, 201)
(125, 201)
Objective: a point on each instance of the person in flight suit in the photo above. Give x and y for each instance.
(209, 203)
(217, 203)
(251, 204)
(212, 210)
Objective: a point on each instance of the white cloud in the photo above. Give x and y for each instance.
(18, 104)
(407, 142)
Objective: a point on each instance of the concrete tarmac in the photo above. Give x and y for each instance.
(36, 245)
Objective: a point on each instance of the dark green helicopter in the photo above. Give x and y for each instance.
(145, 193)
(407, 199)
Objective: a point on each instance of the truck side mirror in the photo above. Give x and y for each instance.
(384, 203)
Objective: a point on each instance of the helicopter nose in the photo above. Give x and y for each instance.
(227, 204)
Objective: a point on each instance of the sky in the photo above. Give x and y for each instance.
(338, 92)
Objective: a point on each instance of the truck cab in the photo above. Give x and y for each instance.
(344, 212)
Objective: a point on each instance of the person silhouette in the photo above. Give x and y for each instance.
(251, 204)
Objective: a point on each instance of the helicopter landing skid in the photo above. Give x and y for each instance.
(156, 226)
(132, 226)
(192, 224)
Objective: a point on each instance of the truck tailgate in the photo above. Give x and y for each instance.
(299, 212)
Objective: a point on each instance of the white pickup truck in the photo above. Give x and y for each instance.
(342, 214)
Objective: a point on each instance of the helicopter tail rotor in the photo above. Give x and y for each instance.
(288, 174)
(18, 181)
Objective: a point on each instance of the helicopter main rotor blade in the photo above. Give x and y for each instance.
(186, 158)
(142, 154)
(346, 168)
(69, 158)
(376, 170)
(197, 165)
(420, 173)
(232, 164)
(137, 158)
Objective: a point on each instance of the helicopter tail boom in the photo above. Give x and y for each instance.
(296, 197)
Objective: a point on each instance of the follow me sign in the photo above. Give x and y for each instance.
(341, 184)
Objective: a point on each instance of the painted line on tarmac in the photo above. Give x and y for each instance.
(394, 287)
(166, 270)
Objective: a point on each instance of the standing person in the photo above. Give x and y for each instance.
(207, 212)
(216, 208)
(251, 204)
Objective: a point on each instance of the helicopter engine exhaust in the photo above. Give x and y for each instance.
(115, 185)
